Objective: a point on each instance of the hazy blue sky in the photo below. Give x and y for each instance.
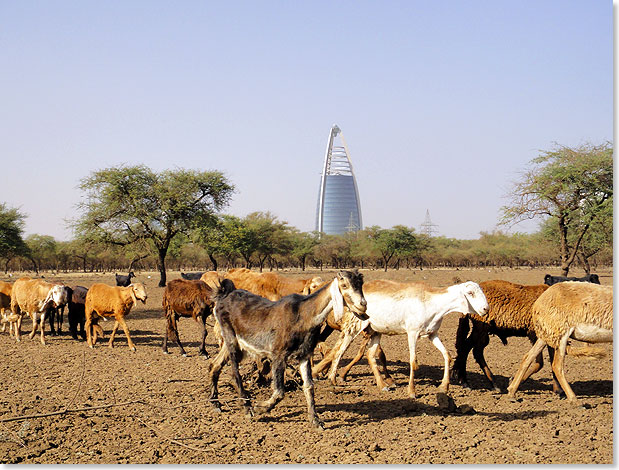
(442, 104)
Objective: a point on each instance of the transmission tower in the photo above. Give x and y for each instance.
(428, 228)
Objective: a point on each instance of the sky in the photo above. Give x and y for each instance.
(442, 104)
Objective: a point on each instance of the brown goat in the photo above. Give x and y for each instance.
(186, 298)
(111, 301)
(279, 330)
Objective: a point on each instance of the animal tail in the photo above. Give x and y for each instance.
(590, 352)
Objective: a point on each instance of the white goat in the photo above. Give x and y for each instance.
(411, 308)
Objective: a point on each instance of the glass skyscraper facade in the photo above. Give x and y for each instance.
(338, 210)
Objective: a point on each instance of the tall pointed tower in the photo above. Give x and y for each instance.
(339, 209)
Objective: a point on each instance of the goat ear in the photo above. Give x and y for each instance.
(337, 300)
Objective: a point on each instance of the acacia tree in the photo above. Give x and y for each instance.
(571, 186)
(126, 205)
(398, 241)
(11, 234)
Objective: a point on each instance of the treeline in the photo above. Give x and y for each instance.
(132, 217)
(260, 241)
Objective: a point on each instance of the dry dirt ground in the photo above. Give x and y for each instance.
(160, 412)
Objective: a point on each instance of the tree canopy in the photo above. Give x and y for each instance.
(128, 204)
(571, 186)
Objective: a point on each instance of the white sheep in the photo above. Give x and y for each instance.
(576, 310)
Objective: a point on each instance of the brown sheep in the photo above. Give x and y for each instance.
(509, 315)
(568, 310)
(111, 301)
(186, 298)
(271, 286)
(35, 297)
(5, 305)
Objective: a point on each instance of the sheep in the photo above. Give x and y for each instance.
(111, 301)
(550, 280)
(56, 313)
(5, 305)
(192, 276)
(270, 285)
(509, 315)
(412, 308)
(77, 314)
(186, 298)
(279, 330)
(35, 297)
(581, 311)
(124, 281)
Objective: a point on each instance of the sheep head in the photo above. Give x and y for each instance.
(139, 291)
(473, 299)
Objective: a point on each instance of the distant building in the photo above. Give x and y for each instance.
(339, 209)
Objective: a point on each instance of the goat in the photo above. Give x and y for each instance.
(192, 276)
(509, 315)
(124, 281)
(77, 315)
(186, 298)
(5, 305)
(111, 301)
(581, 311)
(279, 330)
(550, 280)
(268, 285)
(412, 308)
(35, 297)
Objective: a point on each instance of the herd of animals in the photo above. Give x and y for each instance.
(272, 319)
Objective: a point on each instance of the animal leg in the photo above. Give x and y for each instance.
(374, 344)
(278, 368)
(18, 327)
(335, 355)
(123, 324)
(479, 344)
(556, 387)
(524, 365)
(558, 367)
(308, 390)
(436, 341)
(357, 358)
(235, 356)
(43, 327)
(202, 351)
(35, 325)
(113, 335)
(214, 371)
(413, 336)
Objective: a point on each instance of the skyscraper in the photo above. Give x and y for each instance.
(339, 209)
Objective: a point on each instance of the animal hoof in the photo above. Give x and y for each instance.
(184, 355)
(388, 388)
(319, 425)
(133, 348)
(165, 352)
